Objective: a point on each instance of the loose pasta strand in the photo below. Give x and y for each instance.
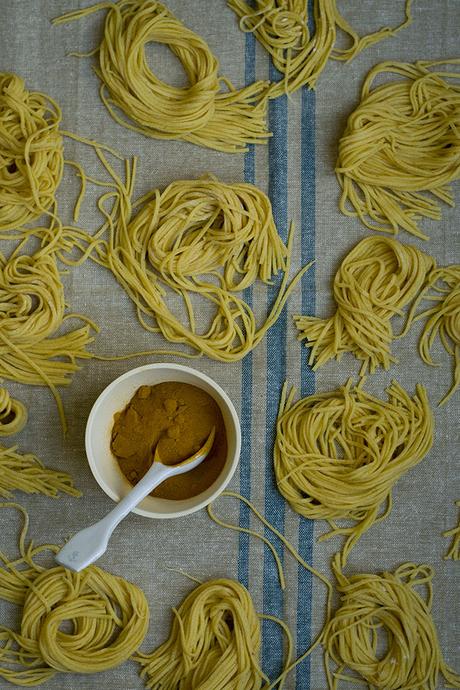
(442, 318)
(454, 549)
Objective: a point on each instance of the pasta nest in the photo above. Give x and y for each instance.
(108, 618)
(401, 147)
(31, 152)
(13, 414)
(206, 239)
(32, 309)
(375, 281)
(214, 642)
(384, 632)
(200, 112)
(339, 454)
(282, 27)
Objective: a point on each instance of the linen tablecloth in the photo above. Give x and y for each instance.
(296, 169)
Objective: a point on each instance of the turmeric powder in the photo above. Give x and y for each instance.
(177, 417)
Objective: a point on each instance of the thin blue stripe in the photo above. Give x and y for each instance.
(272, 646)
(307, 209)
(246, 367)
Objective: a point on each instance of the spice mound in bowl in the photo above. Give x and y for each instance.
(176, 418)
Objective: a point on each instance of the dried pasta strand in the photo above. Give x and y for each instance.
(401, 147)
(338, 455)
(386, 609)
(13, 414)
(375, 281)
(27, 473)
(31, 153)
(201, 113)
(282, 27)
(108, 616)
(442, 319)
(454, 549)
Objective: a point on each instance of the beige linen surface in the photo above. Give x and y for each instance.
(298, 172)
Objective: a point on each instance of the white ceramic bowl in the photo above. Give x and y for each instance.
(115, 397)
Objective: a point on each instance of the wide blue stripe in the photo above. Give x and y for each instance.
(307, 209)
(246, 367)
(272, 646)
(304, 601)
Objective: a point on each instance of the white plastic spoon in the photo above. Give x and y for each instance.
(89, 544)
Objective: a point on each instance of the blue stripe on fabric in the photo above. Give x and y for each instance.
(307, 221)
(307, 172)
(246, 367)
(272, 645)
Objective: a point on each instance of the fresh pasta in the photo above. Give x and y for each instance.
(376, 280)
(382, 630)
(13, 414)
(338, 455)
(214, 642)
(401, 147)
(32, 309)
(31, 153)
(386, 610)
(454, 549)
(442, 319)
(26, 473)
(199, 238)
(202, 113)
(282, 27)
(108, 617)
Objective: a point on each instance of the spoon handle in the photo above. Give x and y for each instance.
(89, 544)
(151, 479)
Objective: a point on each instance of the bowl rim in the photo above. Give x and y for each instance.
(105, 393)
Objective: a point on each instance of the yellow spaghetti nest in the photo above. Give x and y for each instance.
(282, 27)
(401, 147)
(200, 113)
(375, 281)
(28, 474)
(106, 618)
(442, 319)
(383, 631)
(13, 414)
(338, 455)
(199, 238)
(454, 550)
(31, 153)
(31, 311)
(214, 642)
